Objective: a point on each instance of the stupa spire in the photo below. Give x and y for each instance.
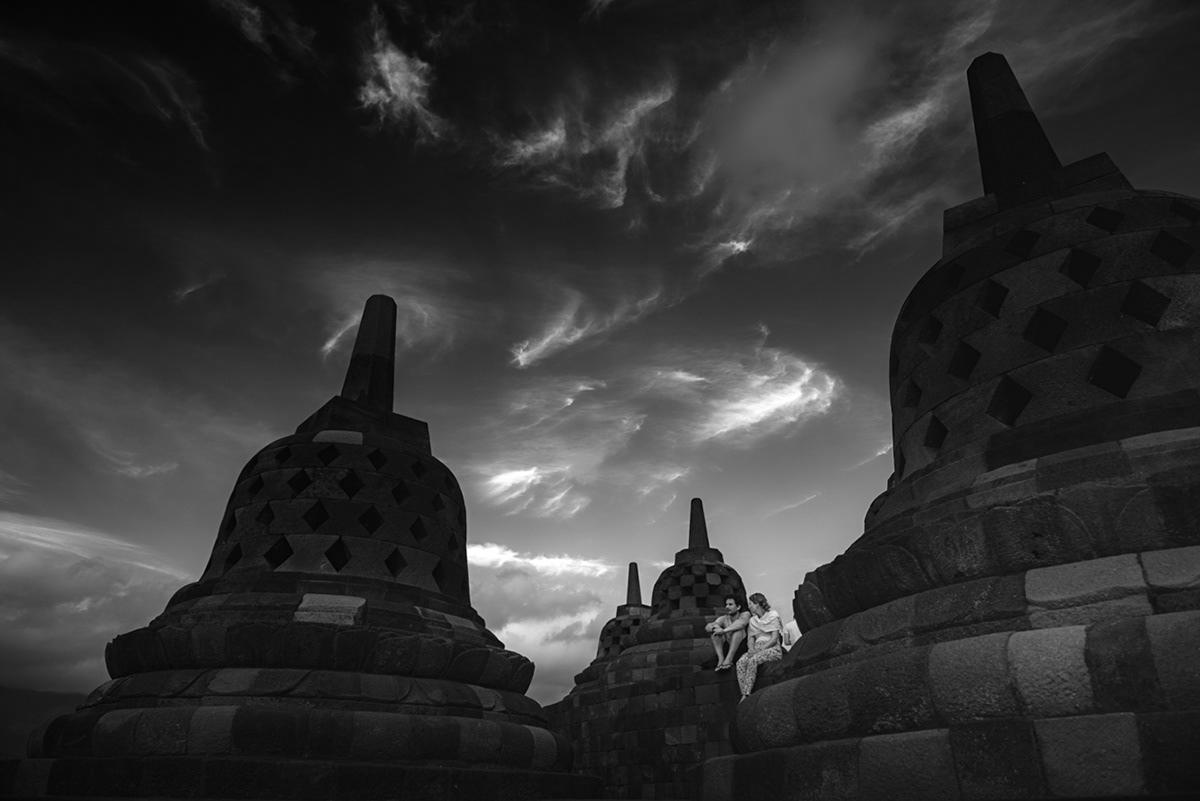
(697, 528)
(370, 378)
(1013, 148)
(633, 594)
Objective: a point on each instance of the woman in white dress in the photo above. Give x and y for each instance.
(764, 646)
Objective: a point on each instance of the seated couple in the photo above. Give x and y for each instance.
(763, 627)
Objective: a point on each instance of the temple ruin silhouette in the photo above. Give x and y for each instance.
(1019, 619)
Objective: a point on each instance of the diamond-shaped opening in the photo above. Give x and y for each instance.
(1080, 266)
(1105, 219)
(377, 458)
(1008, 401)
(1143, 302)
(316, 516)
(351, 484)
(935, 435)
(255, 487)
(371, 520)
(931, 329)
(952, 276)
(1185, 211)
(963, 362)
(438, 504)
(300, 481)
(418, 530)
(283, 455)
(338, 555)
(1022, 243)
(400, 493)
(1171, 249)
(233, 557)
(395, 562)
(1113, 372)
(1045, 329)
(278, 553)
(328, 454)
(230, 523)
(912, 398)
(266, 516)
(448, 579)
(419, 469)
(991, 297)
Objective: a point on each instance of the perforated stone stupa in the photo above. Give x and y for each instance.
(1019, 619)
(329, 650)
(651, 707)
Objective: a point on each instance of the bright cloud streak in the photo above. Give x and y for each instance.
(574, 322)
(57, 536)
(489, 554)
(396, 85)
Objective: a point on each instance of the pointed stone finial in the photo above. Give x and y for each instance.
(1013, 148)
(697, 528)
(370, 377)
(633, 595)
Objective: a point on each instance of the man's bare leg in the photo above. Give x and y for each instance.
(718, 641)
(735, 639)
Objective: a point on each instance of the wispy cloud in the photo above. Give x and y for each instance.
(268, 27)
(790, 506)
(395, 85)
(489, 554)
(575, 320)
(589, 142)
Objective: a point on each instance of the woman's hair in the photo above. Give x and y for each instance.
(761, 600)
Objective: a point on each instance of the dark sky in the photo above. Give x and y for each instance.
(642, 251)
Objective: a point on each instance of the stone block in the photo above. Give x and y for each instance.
(822, 771)
(119, 777)
(69, 777)
(172, 777)
(32, 777)
(997, 759)
(115, 732)
(1122, 667)
(1129, 606)
(1084, 582)
(330, 734)
(1175, 646)
(210, 730)
(1050, 671)
(910, 766)
(775, 718)
(232, 681)
(1091, 755)
(227, 777)
(1173, 568)
(890, 693)
(1170, 742)
(760, 775)
(308, 780)
(278, 731)
(968, 603)
(970, 679)
(819, 705)
(163, 731)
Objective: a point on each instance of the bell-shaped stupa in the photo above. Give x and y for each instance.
(644, 717)
(1020, 618)
(329, 650)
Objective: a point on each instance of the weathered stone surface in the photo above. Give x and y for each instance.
(1173, 568)
(1091, 755)
(914, 766)
(1050, 671)
(1080, 583)
(820, 706)
(1170, 742)
(890, 693)
(998, 759)
(1122, 667)
(1129, 606)
(1174, 644)
(971, 679)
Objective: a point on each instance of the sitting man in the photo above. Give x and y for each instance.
(728, 632)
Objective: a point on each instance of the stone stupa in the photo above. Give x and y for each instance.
(1020, 618)
(329, 650)
(651, 708)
